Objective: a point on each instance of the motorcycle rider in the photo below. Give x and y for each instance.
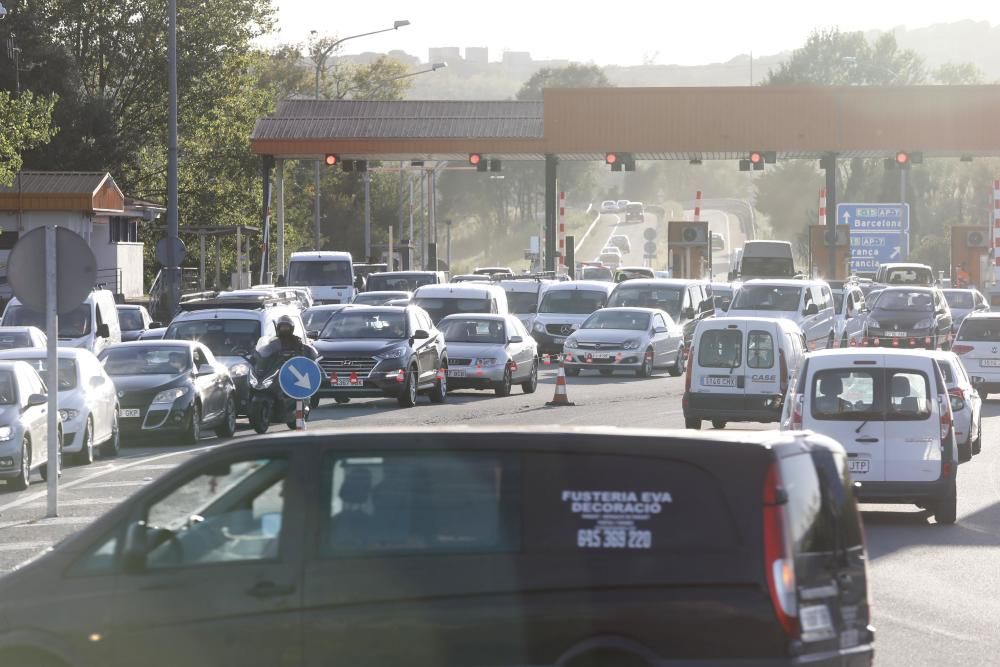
(269, 358)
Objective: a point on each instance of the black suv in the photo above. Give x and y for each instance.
(382, 351)
(905, 317)
(456, 547)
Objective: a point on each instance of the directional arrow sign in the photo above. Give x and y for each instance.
(300, 378)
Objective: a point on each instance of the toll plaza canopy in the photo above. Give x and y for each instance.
(802, 122)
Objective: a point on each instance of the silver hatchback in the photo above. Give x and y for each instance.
(490, 352)
(23, 424)
(634, 339)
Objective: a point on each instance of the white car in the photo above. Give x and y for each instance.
(977, 344)
(808, 303)
(24, 424)
(889, 410)
(16, 337)
(638, 340)
(490, 352)
(718, 242)
(609, 206)
(966, 404)
(850, 310)
(563, 307)
(88, 406)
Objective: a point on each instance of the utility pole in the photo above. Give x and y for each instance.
(172, 270)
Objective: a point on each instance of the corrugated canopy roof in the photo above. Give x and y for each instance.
(57, 182)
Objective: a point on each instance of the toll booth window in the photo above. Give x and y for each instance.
(720, 348)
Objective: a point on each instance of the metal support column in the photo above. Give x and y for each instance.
(368, 216)
(448, 226)
(218, 262)
(551, 190)
(239, 259)
(433, 215)
(265, 254)
(830, 167)
(279, 196)
(201, 261)
(173, 216)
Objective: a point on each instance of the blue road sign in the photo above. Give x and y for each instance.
(879, 233)
(300, 378)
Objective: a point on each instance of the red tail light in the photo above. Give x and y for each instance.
(944, 407)
(962, 349)
(783, 370)
(690, 364)
(795, 422)
(779, 557)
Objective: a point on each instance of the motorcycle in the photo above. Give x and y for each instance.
(268, 404)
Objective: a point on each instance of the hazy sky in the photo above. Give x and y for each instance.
(626, 32)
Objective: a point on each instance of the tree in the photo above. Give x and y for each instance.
(834, 58)
(27, 123)
(574, 75)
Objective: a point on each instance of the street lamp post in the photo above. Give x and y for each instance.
(172, 271)
(320, 62)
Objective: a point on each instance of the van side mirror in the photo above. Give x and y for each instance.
(515, 339)
(155, 325)
(313, 334)
(36, 400)
(97, 381)
(103, 331)
(811, 309)
(206, 369)
(420, 334)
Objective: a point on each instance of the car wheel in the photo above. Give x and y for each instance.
(342, 400)
(531, 385)
(193, 433)
(946, 509)
(439, 393)
(21, 482)
(44, 470)
(692, 424)
(408, 397)
(718, 424)
(314, 402)
(678, 368)
(977, 444)
(86, 455)
(646, 369)
(572, 372)
(964, 452)
(227, 428)
(114, 444)
(502, 388)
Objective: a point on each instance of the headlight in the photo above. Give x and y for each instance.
(239, 370)
(486, 361)
(929, 323)
(6, 432)
(873, 324)
(570, 342)
(169, 395)
(631, 344)
(539, 327)
(68, 414)
(394, 353)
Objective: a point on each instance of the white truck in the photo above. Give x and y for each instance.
(328, 275)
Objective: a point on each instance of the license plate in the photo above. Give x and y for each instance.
(895, 334)
(718, 381)
(130, 412)
(599, 355)
(346, 382)
(857, 465)
(456, 372)
(989, 363)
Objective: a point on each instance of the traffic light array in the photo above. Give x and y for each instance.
(757, 159)
(478, 161)
(904, 159)
(620, 161)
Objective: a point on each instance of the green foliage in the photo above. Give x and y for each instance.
(27, 123)
(834, 58)
(574, 75)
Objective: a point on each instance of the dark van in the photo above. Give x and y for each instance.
(464, 547)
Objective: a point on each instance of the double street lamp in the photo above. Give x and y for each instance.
(320, 59)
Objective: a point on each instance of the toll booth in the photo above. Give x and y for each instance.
(690, 248)
(820, 241)
(970, 248)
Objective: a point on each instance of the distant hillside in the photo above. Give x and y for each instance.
(961, 42)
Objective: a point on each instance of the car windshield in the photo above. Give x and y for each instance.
(315, 319)
(909, 276)
(522, 303)
(596, 273)
(74, 324)
(902, 300)
(632, 320)
(962, 300)
(572, 301)
(225, 338)
(400, 282)
(316, 273)
(440, 307)
(67, 371)
(146, 360)
(377, 298)
(365, 323)
(12, 340)
(645, 296)
(130, 319)
(7, 394)
(472, 330)
(723, 297)
(768, 297)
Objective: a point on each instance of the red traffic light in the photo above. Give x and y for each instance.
(475, 159)
(902, 158)
(611, 158)
(756, 157)
(331, 160)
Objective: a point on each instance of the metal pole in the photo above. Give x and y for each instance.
(172, 213)
(279, 194)
(218, 262)
(448, 224)
(389, 255)
(831, 212)
(316, 174)
(368, 215)
(201, 261)
(423, 215)
(399, 198)
(433, 213)
(239, 258)
(411, 213)
(52, 377)
(551, 189)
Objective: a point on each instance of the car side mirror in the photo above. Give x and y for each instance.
(103, 331)
(688, 313)
(206, 369)
(136, 548)
(97, 381)
(811, 309)
(314, 334)
(36, 400)
(420, 334)
(155, 325)
(515, 339)
(660, 330)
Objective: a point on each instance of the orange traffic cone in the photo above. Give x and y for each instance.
(560, 397)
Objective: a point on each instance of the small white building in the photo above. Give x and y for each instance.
(88, 203)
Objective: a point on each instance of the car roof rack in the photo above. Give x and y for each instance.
(541, 275)
(235, 302)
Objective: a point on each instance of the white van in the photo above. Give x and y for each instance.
(739, 369)
(891, 411)
(767, 259)
(808, 303)
(328, 275)
(522, 297)
(453, 298)
(563, 307)
(93, 325)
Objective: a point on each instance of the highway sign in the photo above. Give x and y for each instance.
(300, 378)
(879, 234)
(874, 217)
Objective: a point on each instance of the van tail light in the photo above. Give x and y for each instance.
(795, 422)
(962, 349)
(783, 370)
(944, 408)
(779, 557)
(690, 365)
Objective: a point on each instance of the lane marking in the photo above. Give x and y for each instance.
(44, 523)
(26, 546)
(84, 502)
(579, 244)
(115, 485)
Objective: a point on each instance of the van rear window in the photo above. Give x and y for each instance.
(847, 394)
(760, 350)
(720, 348)
(986, 330)
(909, 395)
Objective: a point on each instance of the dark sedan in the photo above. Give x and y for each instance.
(905, 317)
(382, 351)
(174, 388)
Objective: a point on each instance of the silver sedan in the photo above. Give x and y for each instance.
(490, 352)
(635, 339)
(23, 424)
